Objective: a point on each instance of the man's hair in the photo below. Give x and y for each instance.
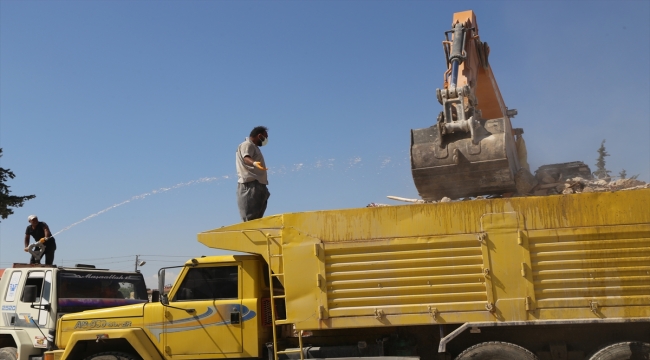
(258, 130)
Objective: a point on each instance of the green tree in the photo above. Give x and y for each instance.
(601, 172)
(623, 174)
(7, 202)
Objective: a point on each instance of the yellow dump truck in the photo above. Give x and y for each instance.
(554, 277)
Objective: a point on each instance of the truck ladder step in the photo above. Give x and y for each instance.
(282, 322)
(292, 351)
(277, 274)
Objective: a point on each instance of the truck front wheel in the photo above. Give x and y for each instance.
(112, 355)
(495, 350)
(623, 351)
(8, 353)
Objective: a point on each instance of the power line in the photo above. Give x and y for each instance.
(102, 258)
(169, 256)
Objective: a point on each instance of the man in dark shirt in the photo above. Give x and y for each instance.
(41, 233)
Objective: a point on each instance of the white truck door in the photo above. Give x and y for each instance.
(46, 293)
(9, 316)
(28, 317)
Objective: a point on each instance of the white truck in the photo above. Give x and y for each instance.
(34, 297)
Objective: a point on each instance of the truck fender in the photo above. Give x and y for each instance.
(136, 337)
(23, 342)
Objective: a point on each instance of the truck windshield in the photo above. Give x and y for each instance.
(86, 290)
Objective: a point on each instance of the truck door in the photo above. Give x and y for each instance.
(44, 313)
(9, 315)
(205, 313)
(28, 317)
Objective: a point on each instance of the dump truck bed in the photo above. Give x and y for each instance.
(567, 257)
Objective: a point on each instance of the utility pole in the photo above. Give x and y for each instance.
(138, 262)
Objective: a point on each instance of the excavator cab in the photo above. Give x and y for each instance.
(471, 150)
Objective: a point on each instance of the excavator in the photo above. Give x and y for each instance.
(472, 150)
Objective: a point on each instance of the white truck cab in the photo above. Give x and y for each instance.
(33, 297)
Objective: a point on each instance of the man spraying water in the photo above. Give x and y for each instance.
(41, 234)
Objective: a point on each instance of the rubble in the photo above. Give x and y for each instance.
(574, 178)
(578, 185)
(626, 183)
(376, 205)
(525, 181)
(555, 179)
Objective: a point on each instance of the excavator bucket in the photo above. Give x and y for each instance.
(453, 166)
(471, 149)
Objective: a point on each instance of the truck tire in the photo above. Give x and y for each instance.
(629, 350)
(496, 350)
(112, 355)
(8, 353)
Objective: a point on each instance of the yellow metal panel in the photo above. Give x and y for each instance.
(506, 255)
(423, 275)
(602, 313)
(406, 319)
(607, 266)
(135, 337)
(441, 307)
(129, 316)
(301, 267)
(544, 212)
(249, 237)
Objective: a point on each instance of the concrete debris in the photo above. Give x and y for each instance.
(547, 180)
(399, 198)
(553, 173)
(555, 179)
(525, 181)
(626, 183)
(576, 185)
(376, 205)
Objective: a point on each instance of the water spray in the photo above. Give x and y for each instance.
(142, 196)
(329, 163)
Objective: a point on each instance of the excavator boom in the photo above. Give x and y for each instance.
(471, 150)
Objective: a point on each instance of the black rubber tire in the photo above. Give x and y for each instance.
(8, 353)
(112, 355)
(496, 350)
(629, 350)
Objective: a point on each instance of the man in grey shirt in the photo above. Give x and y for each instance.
(252, 193)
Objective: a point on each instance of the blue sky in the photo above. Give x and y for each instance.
(142, 104)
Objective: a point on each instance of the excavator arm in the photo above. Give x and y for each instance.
(471, 150)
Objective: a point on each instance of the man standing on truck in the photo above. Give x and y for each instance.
(252, 193)
(41, 233)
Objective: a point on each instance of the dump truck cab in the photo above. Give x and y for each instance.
(213, 310)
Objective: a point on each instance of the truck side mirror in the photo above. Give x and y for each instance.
(164, 299)
(29, 294)
(161, 281)
(155, 296)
